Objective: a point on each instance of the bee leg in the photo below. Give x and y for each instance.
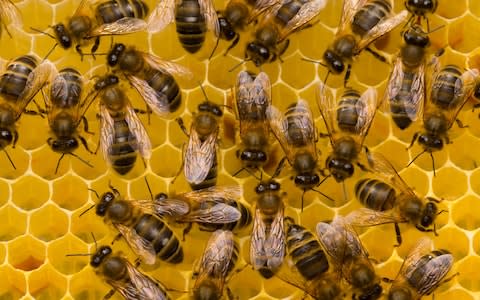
(377, 55)
(283, 50)
(398, 234)
(347, 75)
(109, 294)
(179, 169)
(230, 295)
(95, 46)
(387, 280)
(84, 143)
(186, 230)
(362, 167)
(460, 124)
(182, 126)
(233, 44)
(116, 238)
(15, 139)
(424, 229)
(79, 51)
(415, 136)
(6, 29)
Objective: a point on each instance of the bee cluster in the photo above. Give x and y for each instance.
(278, 145)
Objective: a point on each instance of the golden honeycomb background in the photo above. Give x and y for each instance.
(39, 210)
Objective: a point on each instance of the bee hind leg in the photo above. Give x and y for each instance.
(377, 55)
(85, 126)
(233, 44)
(109, 294)
(398, 235)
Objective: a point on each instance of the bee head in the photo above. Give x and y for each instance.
(265, 186)
(211, 108)
(63, 36)
(334, 62)
(227, 32)
(307, 180)
(105, 202)
(421, 7)
(63, 145)
(252, 158)
(207, 290)
(113, 56)
(416, 36)
(372, 293)
(340, 169)
(429, 214)
(399, 293)
(100, 255)
(106, 81)
(430, 142)
(6, 137)
(258, 53)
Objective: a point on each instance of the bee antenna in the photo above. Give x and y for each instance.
(314, 61)
(303, 195)
(85, 211)
(94, 240)
(148, 187)
(415, 158)
(95, 192)
(9, 159)
(43, 32)
(50, 52)
(279, 167)
(433, 164)
(238, 65)
(78, 254)
(326, 77)
(324, 195)
(203, 91)
(345, 195)
(80, 159)
(214, 48)
(58, 162)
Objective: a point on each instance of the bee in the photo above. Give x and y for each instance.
(406, 86)
(217, 262)
(21, 81)
(9, 14)
(391, 200)
(309, 268)
(253, 98)
(138, 223)
(296, 133)
(449, 90)
(200, 157)
(151, 77)
(267, 247)
(124, 277)
(420, 8)
(362, 22)
(280, 20)
(66, 106)
(422, 272)
(192, 19)
(343, 246)
(121, 132)
(347, 123)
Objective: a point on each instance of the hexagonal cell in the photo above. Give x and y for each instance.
(400, 159)
(13, 285)
(70, 192)
(222, 65)
(296, 66)
(382, 131)
(92, 289)
(277, 288)
(453, 294)
(240, 289)
(369, 70)
(89, 223)
(425, 161)
(463, 212)
(32, 139)
(20, 45)
(4, 192)
(139, 189)
(283, 97)
(157, 163)
(45, 283)
(26, 253)
(379, 252)
(14, 223)
(476, 242)
(313, 214)
(169, 277)
(16, 162)
(44, 163)
(446, 188)
(48, 223)
(444, 241)
(57, 251)
(460, 38)
(29, 192)
(469, 278)
(452, 11)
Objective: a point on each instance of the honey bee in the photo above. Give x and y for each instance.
(347, 123)
(124, 277)
(253, 98)
(137, 222)
(21, 81)
(267, 247)
(422, 272)
(449, 90)
(296, 133)
(121, 132)
(66, 106)
(200, 157)
(217, 262)
(151, 77)
(192, 19)
(406, 86)
(9, 15)
(280, 20)
(343, 246)
(420, 8)
(308, 265)
(391, 200)
(362, 22)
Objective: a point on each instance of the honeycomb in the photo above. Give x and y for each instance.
(40, 209)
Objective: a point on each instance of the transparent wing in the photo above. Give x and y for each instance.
(139, 245)
(275, 243)
(121, 26)
(147, 289)
(277, 124)
(436, 269)
(107, 132)
(218, 194)
(127, 290)
(208, 10)
(327, 106)
(167, 66)
(136, 127)
(422, 247)
(161, 16)
(355, 247)
(334, 243)
(463, 90)
(85, 8)
(307, 12)
(165, 207)
(349, 9)
(363, 217)
(199, 157)
(10, 14)
(218, 254)
(258, 254)
(157, 102)
(366, 109)
(381, 29)
(218, 213)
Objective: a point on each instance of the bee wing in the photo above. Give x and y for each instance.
(167, 66)
(208, 10)
(327, 106)
(218, 253)
(10, 14)
(366, 109)
(368, 217)
(127, 290)
(157, 102)
(354, 244)
(350, 7)
(275, 243)
(199, 157)
(165, 207)
(383, 168)
(258, 253)
(136, 127)
(381, 29)
(422, 247)
(463, 89)
(107, 131)
(307, 12)
(161, 16)
(57, 88)
(262, 6)
(217, 194)
(333, 242)
(139, 245)
(146, 288)
(218, 213)
(121, 26)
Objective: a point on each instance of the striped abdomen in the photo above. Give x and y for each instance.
(401, 102)
(306, 252)
(375, 194)
(13, 81)
(296, 135)
(114, 10)
(245, 220)
(443, 89)
(165, 84)
(66, 93)
(288, 10)
(370, 15)
(122, 154)
(163, 240)
(347, 111)
(210, 180)
(191, 25)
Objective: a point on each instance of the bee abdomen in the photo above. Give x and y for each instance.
(347, 111)
(69, 95)
(402, 101)
(191, 25)
(375, 194)
(164, 242)
(122, 153)
(443, 90)
(165, 84)
(287, 11)
(112, 11)
(370, 15)
(13, 81)
(210, 180)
